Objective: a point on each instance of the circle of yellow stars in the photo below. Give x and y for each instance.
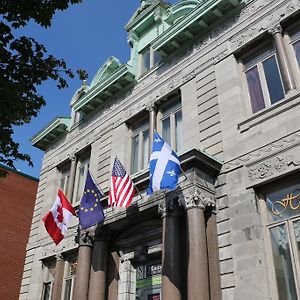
(96, 199)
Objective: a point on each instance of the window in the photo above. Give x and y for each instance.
(64, 179)
(148, 59)
(69, 279)
(48, 278)
(148, 282)
(80, 178)
(170, 117)
(140, 146)
(282, 219)
(263, 78)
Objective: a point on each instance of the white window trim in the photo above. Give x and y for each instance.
(161, 116)
(268, 248)
(83, 161)
(141, 126)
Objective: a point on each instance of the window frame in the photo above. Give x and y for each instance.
(82, 162)
(171, 111)
(267, 225)
(67, 277)
(256, 58)
(64, 175)
(152, 62)
(137, 130)
(48, 277)
(292, 35)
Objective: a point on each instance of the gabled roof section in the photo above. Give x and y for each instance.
(142, 17)
(120, 78)
(106, 70)
(196, 21)
(55, 129)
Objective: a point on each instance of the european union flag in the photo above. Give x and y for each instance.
(164, 166)
(90, 210)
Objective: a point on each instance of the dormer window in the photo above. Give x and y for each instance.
(148, 59)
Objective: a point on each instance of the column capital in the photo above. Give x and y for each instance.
(84, 237)
(168, 207)
(72, 157)
(275, 29)
(198, 199)
(151, 107)
(59, 257)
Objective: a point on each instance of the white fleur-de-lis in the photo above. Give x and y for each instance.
(157, 140)
(171, 173)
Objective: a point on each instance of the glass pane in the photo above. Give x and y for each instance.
(81, 182)
(178, 131)
(284, 204)
(47, 287)
(68, 285)
(166, 130)
(282, 263)
(134, 154)
(156, 57)
(145, 149)
(273, 79)
(297, 51)
(255, 90)
(296, 226)
(146, 61)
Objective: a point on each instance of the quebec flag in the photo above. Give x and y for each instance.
(164, 166)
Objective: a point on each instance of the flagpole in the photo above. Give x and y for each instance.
(138, 191)
(186, 178)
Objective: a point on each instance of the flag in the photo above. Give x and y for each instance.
(90, 211)
(164, 166)
(57, 219)
(121, 189)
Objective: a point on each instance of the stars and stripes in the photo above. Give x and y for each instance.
(121, 188)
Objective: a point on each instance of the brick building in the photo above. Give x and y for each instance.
(220, 81)
(17, 199)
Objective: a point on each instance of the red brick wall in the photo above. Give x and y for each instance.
(17, 199)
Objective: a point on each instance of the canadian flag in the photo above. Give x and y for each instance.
(57, 219)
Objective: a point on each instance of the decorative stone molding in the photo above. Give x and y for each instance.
(198, 199)
(268, 168)
(85, 237)
(269, 18)
(266, 151)
(168, 207)
(275, 29)
(59, 257)
(283, 163)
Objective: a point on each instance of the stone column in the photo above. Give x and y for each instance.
(285, 68)
(58, 277)
(85, 241)
(113, 276)
(213, 255)
(198, 275)
(152, 125)
(171, 281)
(71, 178)
(97, 288)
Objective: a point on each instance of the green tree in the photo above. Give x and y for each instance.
(25, 64)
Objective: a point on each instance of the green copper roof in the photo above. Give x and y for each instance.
(199, 19)
(51, 132)
(101, 91)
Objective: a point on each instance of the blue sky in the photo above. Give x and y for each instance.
(85, 35)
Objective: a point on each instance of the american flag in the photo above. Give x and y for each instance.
(121, 188)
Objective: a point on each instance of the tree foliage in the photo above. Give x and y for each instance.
(24, 65)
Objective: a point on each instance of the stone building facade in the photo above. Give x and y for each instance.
(17, 198)
(220, 80)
